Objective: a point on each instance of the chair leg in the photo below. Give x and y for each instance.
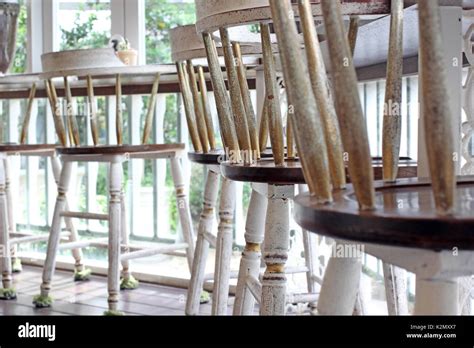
(360, 307)
(128, 281)
(220, 293)
(7, 292)
(310, 242)
(80, 272)
(436, 297)
(44, 299)
(16, 262)
(275, 250)
(183, 209)
(202, 244)
(311, 260)
(395, 289)
(340, 286)
(115, 230)
(251, 256)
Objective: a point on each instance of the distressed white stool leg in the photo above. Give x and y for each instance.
(16, 262)
(275, 250)
(44, 300)
(360, 307)
(251, 256)
(436, 297)
(202, 243)
(465, 294)
(115, 230)
(183, 209)
(8, 292)
(340, 286)
(395, 289)
(310, 255)
(311, 261)
(220, 293)
(128, 281)
(80, 272)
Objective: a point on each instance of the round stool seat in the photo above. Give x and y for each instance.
(26, 148)
(121, 149)
(265, 171)
(210, 158)
(405, 216)
(213, 14)
(218, 156)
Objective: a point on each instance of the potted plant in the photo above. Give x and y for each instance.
(126, 54)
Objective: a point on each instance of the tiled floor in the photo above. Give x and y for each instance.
(90, 298)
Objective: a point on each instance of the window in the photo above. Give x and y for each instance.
(84, 24)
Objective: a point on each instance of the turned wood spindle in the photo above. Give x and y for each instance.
(71, 118)
(92, 111)
(323, 95)
(58, 122)
(290, 146)
(118, 114)
(240, 118)
(29, 108)
(224, 111)
(245, 92)
(307, 124)
(206, 109)
(188, 108)
(436, 111)
(151, 110)
(263, 127)
(352, 33)
(348, 107)
(273, 99)
(392, 118)
(198, 111)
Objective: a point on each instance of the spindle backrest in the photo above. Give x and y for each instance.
(105, 64)
(347, 104)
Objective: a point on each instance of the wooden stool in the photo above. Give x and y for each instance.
(104, 64)
(9, 236)
(212, 17)
(186, 47)
(386, 213)
(244, 140)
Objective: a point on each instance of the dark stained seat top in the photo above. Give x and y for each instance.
(405, 216)
(216, 157)
(265, 171)
(26, 148)
(120, 149)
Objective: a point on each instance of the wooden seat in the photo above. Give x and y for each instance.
(27, 148)
(169, 149)
(406, 217)
(210, 158)
(291, 173)
(217, 157)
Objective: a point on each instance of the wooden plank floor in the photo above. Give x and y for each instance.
(90, 297)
